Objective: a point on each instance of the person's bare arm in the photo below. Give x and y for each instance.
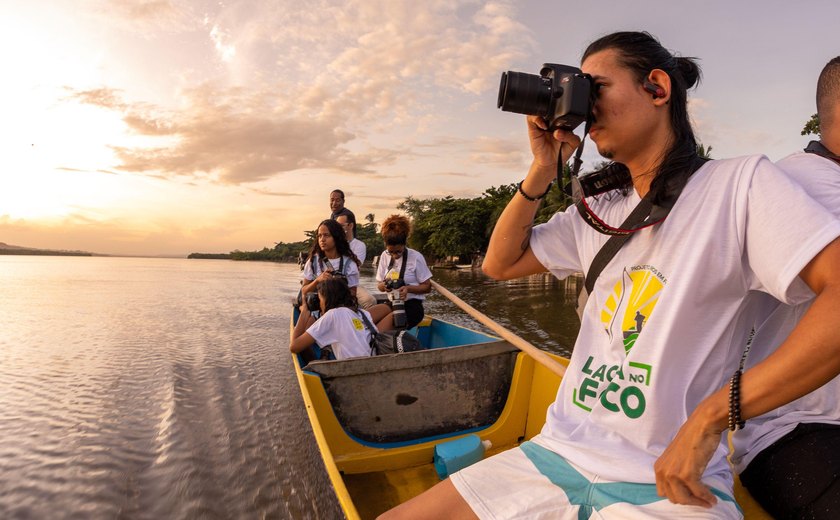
(509, 254)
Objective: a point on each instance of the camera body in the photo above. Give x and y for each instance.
(562, 95)
(397, 304)
(313, 302)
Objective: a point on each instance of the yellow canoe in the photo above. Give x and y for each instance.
(377, 420)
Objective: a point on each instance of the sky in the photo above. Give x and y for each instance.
(164, 127)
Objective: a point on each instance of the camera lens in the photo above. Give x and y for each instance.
(525, 94)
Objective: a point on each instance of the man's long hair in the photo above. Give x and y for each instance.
(641, 53)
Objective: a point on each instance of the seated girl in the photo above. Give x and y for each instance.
(341, 324)
(330, 256)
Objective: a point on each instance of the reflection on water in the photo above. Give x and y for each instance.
(152, 388)
(163, 388)
(539, 308)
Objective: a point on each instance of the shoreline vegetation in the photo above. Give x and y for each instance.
(448, 231)
(7, 249)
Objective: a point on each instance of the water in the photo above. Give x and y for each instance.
(162, 388)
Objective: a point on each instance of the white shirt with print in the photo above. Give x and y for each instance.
(312, 269)
(345, 331)
(416, 271)
(820, 178)
(656, 335)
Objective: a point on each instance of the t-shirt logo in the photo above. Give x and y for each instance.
(357, 324)
(632, 301)
(620, 388)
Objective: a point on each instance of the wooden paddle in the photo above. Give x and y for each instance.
(538, 355)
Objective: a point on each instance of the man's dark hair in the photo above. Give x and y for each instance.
(641, 53)
(351, 218)
(828, 91)
(339, 192)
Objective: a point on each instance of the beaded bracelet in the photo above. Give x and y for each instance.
(528, 197)
(735, 422)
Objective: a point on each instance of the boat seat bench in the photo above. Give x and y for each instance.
(421, 390)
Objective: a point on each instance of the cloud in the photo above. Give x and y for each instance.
(504, 153)
(147, 16)
(316, 82)
(221, 38)
(221, 134)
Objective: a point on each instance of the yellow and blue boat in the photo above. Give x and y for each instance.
(377, 420)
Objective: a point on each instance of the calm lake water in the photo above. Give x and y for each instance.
(162, 388)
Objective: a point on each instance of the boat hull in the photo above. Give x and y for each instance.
(378, 420)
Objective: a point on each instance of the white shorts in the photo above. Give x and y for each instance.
(535, 483)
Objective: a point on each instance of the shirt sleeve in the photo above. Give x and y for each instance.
(785, 229)
(421, 270)
(351, 270)
(382, 266)
(308, 271)
(359, 248)
(555, 246)
(323, 331)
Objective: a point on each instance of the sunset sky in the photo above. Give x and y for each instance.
(163, 127)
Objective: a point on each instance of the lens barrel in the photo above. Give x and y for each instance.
(399, 314)
(525, 94)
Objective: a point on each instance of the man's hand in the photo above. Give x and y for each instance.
(681, 465)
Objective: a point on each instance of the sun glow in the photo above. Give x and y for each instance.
(53, 148)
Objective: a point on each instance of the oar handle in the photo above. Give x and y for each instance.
(538, 355)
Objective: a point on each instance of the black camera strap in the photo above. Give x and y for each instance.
(324, 264)
(404, 263)
(817, 148)
(637, 219)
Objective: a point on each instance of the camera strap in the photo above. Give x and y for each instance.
(638, 219)
(404, 263)
(324, 264)
(817, 148)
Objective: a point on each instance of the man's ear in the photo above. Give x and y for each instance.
(658, 83)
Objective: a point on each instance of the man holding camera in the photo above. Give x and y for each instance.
(789, 459)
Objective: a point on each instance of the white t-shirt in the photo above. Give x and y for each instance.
(820, 178)
(314, 267)
(345, 331)
(359, 249)
(635, 375)
(416, 271)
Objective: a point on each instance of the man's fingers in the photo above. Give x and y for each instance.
(702, 493)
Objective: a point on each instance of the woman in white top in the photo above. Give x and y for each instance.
(330, 256)
(341, 326)
(414, 280)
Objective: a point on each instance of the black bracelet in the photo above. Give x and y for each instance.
(735, 422)
(528, 197)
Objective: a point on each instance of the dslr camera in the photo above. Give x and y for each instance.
(313, 302)
(561, 95)
(397, 304)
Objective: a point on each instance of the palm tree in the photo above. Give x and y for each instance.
(704, 152)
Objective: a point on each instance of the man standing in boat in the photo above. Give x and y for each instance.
(789, 459)
(636, 427)
(337, 207)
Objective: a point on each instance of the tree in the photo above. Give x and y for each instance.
(702, 151)
(812, 126)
